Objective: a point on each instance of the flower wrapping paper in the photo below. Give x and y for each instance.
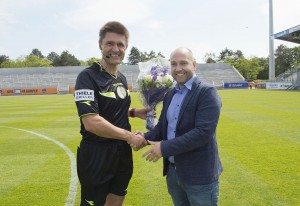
(153, 82)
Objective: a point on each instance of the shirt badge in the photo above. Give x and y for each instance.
(121, 92)
(84, 95)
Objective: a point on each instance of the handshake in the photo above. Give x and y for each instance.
(137, 141)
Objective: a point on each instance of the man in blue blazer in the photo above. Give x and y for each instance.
(185, 135)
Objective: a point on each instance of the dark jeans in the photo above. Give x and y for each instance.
(191, 195)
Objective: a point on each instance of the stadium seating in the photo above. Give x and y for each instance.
(218, 73)
(289, 76)
(41, 77)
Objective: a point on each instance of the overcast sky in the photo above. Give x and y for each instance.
(204, 26)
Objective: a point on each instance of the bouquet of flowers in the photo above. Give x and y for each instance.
(153, 82)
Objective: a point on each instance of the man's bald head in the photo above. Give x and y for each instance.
(183, 50)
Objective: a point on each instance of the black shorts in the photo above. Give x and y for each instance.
(103, 168)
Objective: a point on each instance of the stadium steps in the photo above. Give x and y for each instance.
(216, 74)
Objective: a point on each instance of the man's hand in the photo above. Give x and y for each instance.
(142, 113)
(137, 141)
(154, 153)
(139, 132)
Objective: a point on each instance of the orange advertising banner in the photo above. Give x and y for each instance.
(31, 91)
(28, 91)
(71, 90)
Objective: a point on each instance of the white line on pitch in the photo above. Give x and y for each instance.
(70, 201)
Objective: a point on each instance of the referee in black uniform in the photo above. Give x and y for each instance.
(104, 158)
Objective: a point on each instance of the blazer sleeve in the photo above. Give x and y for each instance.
(159, 132)
(155, 134)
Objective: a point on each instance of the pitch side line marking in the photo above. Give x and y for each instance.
(70, 201)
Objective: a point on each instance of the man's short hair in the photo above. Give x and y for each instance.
(115, 27)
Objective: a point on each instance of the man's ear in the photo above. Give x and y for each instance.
(195, 64)
(99, 43)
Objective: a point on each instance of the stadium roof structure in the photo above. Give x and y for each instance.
(291, 35)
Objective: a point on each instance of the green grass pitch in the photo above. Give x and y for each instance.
(258, 137)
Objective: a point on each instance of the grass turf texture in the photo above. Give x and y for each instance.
(258, 137)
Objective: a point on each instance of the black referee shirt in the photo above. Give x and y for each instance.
(98, 92)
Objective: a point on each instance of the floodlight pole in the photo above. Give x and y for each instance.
(271, 44)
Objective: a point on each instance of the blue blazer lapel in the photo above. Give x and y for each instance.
(188, 97)
(167, 101)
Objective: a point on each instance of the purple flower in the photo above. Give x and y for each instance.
(152, 87)
(165, 71)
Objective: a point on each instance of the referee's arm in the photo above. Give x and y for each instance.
(101, 127)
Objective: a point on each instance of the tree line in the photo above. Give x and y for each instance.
(286, 59)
